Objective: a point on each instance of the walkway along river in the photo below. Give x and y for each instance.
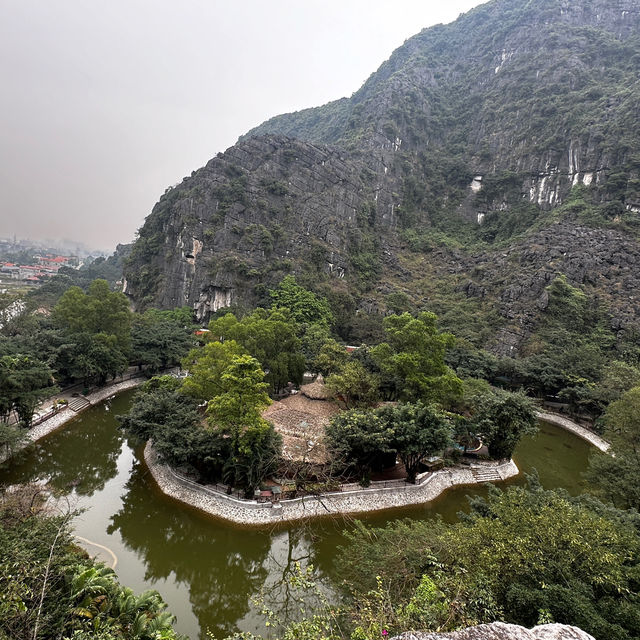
(208, 570)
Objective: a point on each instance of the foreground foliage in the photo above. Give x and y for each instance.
(50, 590)
(522, 555)
(618, 476)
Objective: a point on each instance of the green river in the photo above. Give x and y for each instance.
(207, 570)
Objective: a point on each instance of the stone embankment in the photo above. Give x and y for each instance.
(63, 416)
(360, 500)
(574, 427)
(503, 631)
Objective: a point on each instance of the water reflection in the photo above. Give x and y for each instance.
(83, 458)
(219, 566)
(208, 571)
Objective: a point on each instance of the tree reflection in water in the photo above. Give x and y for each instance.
(221, 566)
(83, 457)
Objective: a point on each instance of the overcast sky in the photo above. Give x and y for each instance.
(105, 104)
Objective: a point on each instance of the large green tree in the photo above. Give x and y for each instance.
(160, 339)
(100, 310)
(270, 337)
(418, 431)
(170, 418)
(359, 442)
(306, 307)
(354, 385)
(206, 365)
(501, 418)
(412, 360)
(97, 330)
(236, 413)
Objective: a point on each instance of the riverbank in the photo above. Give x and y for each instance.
(574, 427)
(353, 501)
(59, 419)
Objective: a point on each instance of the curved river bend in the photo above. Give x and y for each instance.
(207, 570)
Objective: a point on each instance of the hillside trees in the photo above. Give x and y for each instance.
(97, 327)
(617, 473)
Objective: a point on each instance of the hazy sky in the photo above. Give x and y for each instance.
(105, 104)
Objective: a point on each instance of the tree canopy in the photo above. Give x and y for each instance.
(270, 337)
(412, 361)
(306, 307)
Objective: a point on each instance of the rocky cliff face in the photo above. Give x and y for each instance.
(502, 631)
(476, 133)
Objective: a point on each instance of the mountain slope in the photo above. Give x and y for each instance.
(482, 159)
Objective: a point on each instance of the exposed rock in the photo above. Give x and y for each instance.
(512, 103)
(503, 631)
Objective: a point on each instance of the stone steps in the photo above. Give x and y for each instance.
(78, 403)
(485, 475)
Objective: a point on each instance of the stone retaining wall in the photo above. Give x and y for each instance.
(258, 513)
(63, 416)
(574, 427)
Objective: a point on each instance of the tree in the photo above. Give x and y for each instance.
(270, 337)
(617, 473)
(306, 307)
(501, 418)
(331, 358)
(160, 339)
(24, 382)
(418, 432)
(100, 310)
(92, 358)
(242, 396)
(354, 385)
(206, 366)
(236, 413)
(412, 361)
(162, 413)
(360, 440)
(97, 328)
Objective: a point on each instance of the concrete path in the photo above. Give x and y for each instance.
(63, 416)
(574, 427)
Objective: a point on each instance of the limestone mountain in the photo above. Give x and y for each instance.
(484, 158)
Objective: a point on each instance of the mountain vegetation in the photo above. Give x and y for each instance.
(468, 222)
(485, 159)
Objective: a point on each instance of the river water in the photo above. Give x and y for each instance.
(207, 570)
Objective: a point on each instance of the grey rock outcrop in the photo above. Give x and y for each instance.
(503, 631)
(504, 111)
